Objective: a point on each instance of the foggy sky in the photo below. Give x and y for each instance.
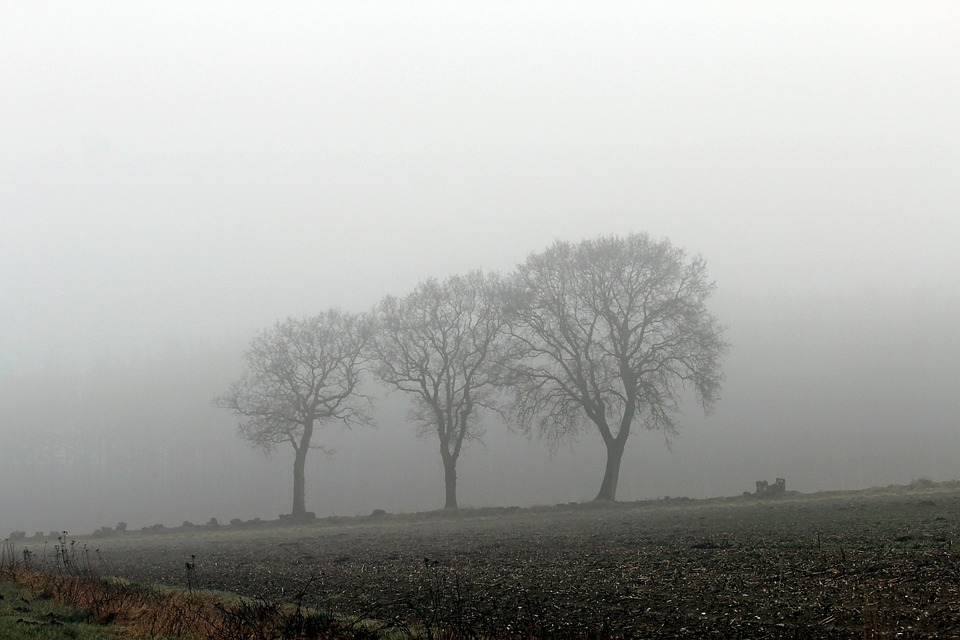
(176, 176)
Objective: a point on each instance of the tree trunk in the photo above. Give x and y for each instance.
(450, 478)
(299, 479)
(611, 475)
(299, 503)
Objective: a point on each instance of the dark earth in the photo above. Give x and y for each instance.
(883, 563)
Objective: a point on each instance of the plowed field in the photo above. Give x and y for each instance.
(863, 565)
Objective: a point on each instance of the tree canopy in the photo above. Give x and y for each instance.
(298, 374)
(442, 343)
(611, 331)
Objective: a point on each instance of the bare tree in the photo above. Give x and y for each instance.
(442, 344)
(300, 374)
(611, 331)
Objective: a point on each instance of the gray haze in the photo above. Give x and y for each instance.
(176, 176)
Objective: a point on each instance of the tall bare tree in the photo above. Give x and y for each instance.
(442, 344)
(611, 332)
(300, 374)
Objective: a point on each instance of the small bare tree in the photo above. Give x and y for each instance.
(300, 374)
(611, 331)
(442, 343)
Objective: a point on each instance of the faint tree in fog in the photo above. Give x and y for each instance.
(442, 343)
(611, 331)
(300, 374)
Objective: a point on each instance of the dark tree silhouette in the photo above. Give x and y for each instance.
(610, 332)
(300, 374)
(442, 343)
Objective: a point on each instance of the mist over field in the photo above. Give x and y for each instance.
(175, 178)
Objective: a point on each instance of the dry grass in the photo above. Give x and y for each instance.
(135, 611)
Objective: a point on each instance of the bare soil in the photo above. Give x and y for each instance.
(865, 565)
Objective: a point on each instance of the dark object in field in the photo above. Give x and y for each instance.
(764, 489)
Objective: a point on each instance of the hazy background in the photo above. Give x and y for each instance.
(177, 176)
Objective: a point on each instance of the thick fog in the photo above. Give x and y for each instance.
(175, 177)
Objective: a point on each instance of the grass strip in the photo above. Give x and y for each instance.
(40, 604)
